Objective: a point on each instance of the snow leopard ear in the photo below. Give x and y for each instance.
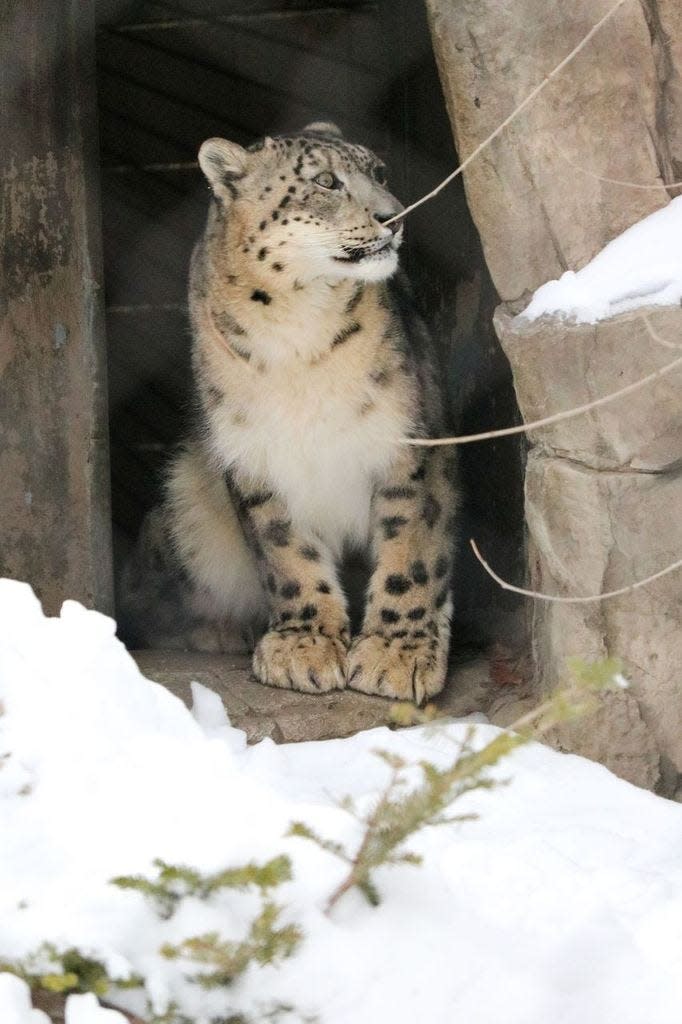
(223, 163)
(324, 128)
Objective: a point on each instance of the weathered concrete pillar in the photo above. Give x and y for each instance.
(54, 470)
(601, 488)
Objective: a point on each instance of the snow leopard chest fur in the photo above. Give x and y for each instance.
(321, 432)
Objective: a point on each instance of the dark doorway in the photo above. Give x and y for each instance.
(171, 75)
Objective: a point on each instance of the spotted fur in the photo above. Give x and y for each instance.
(311, 366)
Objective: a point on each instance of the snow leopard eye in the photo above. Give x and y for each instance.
(327, 180)
(379, 173)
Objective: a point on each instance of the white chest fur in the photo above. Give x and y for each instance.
(321, 436)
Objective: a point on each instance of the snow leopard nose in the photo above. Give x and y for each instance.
(383, 216)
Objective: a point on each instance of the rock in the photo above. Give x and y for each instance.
(558, 364)
(599, 492)
(509, 708)
(591, 532)
(284, 715)
(616, 736)
(604, 489)
(532, 193)
(666, 25)
(600, 488)
(290, 717)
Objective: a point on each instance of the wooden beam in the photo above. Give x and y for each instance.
(55, 525)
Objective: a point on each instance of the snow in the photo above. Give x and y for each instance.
(642, 267)
(15, 1003)
(85, 1009)
(15, 1006)
(562, 903)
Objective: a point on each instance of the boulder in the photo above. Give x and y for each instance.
(558, 364)
(287, 716)
(603, 489)
(666, 32)
(533, 193)
(593, 531)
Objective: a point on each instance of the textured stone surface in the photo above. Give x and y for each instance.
(287, 716)
(55, 525)
(666, 30)
(592, 532)
(617, 736)
(600, 490)
(559, 365)
(604, 489)
(538, 215)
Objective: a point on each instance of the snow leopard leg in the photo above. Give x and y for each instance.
(307, 640)
(403, 647)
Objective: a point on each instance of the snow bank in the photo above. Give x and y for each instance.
(642, 267)
(15, 1006)
(563, 903)
(15, 1003)
(86, 1010)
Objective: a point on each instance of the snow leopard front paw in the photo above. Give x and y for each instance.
(402, 669)
(296, 660)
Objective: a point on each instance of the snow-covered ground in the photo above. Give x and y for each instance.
(562, 904)
(642, 267)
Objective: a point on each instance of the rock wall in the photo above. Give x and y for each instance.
(665, 19)
(601, 495)
(532, 195)
(603, 490)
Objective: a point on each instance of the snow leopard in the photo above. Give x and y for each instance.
(312, 372)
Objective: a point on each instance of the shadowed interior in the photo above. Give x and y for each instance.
(173, 74)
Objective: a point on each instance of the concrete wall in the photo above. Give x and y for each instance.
(54, 471)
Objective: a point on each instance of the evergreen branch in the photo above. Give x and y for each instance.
(69, 971)
(176, 882)
(229, 958)
(299, 828)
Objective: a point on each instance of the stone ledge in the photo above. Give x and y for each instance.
(639, 432)
(591, 532)
(287, 716)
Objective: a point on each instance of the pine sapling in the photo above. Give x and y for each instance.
(265, 942)
(175, 882)
(63, 972)
(228, 958)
